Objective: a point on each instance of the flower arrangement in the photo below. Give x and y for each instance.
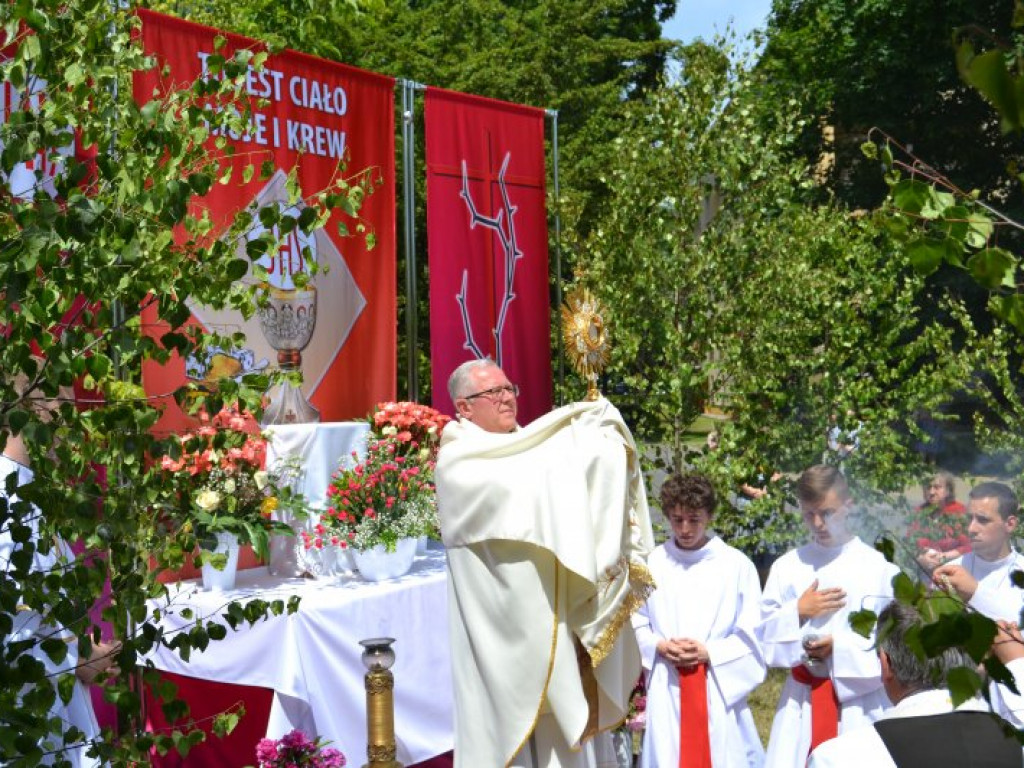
(415, 426)
(228, 490)
(636, 718)
(296, 750)
(389, 494)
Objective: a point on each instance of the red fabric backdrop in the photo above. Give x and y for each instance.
(488, 272)
(308, 114)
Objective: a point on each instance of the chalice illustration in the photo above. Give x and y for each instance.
(287, 316)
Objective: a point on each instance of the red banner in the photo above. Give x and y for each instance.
(488, 243)
(307, 114)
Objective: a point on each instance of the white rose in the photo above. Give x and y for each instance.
(261, 479)
(229, 485)
(389, 430)
(207, 500)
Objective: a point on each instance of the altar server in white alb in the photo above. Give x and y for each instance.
(835, 681)
(547, 532)
(697, 638)
(983, 577)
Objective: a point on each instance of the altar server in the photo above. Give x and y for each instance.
(835, 682)
(697, 639)
(983, 577)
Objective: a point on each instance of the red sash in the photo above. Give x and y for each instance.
(694, 743)
(824, 706)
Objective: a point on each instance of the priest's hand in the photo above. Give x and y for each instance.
(955, 578)
(819, 602)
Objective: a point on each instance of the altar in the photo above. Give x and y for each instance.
(310, 660)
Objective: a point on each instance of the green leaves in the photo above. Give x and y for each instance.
(990, 75)
(993, 268)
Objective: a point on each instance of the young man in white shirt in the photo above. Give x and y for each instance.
(983, 578)
(697, 636)
(835, 682)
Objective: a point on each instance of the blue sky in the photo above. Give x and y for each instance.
(703, 18)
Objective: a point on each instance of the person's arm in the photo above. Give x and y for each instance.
(646, 637)
(736, 663)
(778, 630)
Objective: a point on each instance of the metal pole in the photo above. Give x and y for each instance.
(553, 114)
(409, 227)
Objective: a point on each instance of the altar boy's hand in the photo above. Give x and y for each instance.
(818, 602)
(955, 578)
(693, 653)
(819, 649)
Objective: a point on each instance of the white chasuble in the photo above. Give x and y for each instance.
(711, 595)
(867, 579)
(547, 531)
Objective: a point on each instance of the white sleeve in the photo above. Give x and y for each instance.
(735, 661)
(779, 629)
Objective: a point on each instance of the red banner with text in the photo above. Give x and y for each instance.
(488, 243)
(308, 116)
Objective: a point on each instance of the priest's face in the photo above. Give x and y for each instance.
(689, 526)
(490, 402)
(826, 518)
(990, 533)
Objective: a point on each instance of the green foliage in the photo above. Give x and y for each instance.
(732, 288)
(855, 66)
(127, 232)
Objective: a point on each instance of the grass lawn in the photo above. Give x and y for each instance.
(763, 700)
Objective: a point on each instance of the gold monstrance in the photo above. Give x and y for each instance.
(586, 337)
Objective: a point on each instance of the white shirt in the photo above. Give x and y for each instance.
(864, 748)
(995, 597)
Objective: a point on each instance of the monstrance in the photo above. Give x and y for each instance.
(585, 336)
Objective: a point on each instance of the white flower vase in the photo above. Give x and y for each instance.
(220, 580)
(285, 559)
(421, 544)
(377, 564)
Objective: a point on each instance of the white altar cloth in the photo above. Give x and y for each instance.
(311, 659)
(321, 447)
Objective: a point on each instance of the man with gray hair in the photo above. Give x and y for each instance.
(922, 728)
(547, 532)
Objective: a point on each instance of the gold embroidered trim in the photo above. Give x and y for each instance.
(641, 584)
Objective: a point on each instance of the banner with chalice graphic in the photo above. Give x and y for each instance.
(338, 325)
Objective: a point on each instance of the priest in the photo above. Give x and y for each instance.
(835, 679)
(697, 639)
(547, 531)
